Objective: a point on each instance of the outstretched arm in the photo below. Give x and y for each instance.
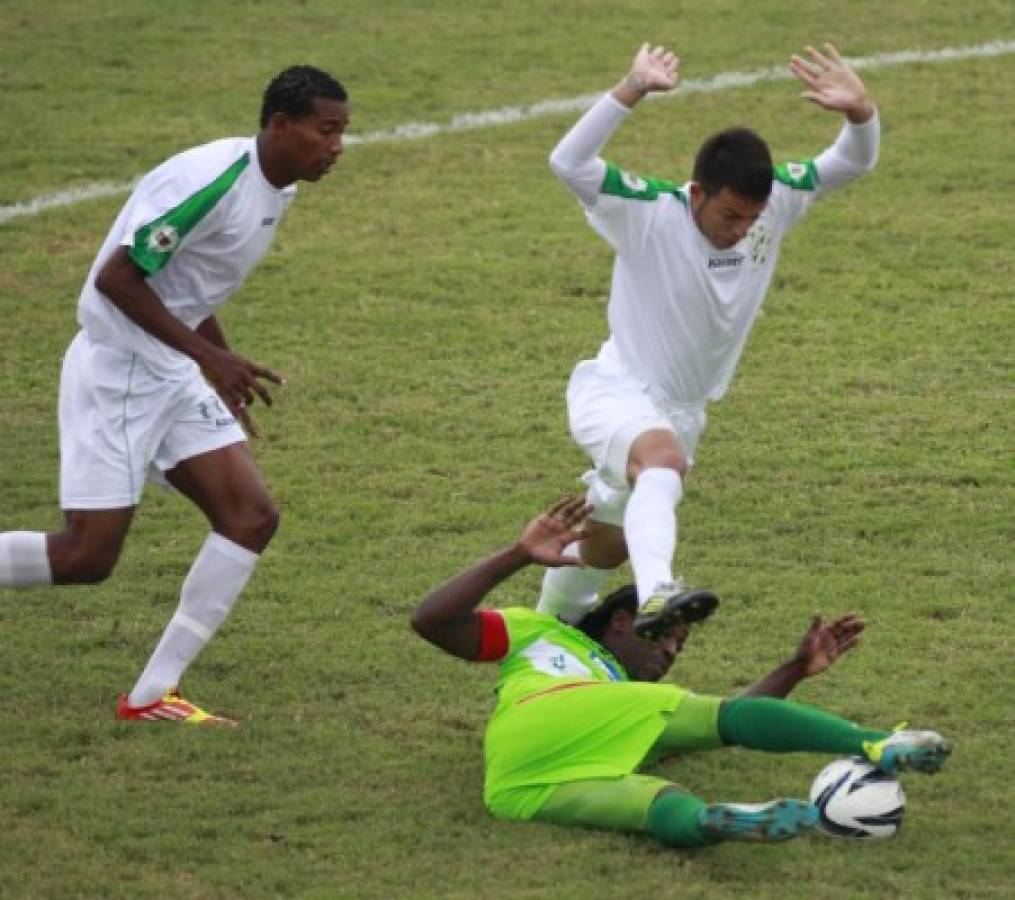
(575, 160)
(833, 85)
(653, 69)
(822, 644)
(448, 618)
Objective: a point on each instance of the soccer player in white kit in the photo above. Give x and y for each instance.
(149, 387)
(693, 263)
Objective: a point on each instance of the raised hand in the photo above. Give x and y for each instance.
(824, 642)
(832, 84)
(546, 536)
(653, 69)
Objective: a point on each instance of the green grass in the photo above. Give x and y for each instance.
(427, 302)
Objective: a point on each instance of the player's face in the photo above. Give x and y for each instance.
(646, 660)
(313, 143)
(724, 218)
(659, 653)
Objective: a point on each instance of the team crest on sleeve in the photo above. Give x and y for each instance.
(633, 183)
(801, 176)
(164, 239)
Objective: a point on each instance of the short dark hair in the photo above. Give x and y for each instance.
(738, 159)
(294, 90)
(595, 622)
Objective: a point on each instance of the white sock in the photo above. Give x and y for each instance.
(571, 591)
(23, 559)
(212, 586)
(650, 527)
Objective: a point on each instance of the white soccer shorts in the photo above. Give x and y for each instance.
(121, 424)
(608, 409)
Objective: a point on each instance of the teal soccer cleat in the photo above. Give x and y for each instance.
(778, 820)
(908, 751)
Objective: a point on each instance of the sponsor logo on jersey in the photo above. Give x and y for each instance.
(552, 659)
(164, 239)
(724, 263)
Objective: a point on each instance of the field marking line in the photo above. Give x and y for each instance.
(470, 121)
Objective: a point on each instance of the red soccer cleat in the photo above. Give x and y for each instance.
(171, 707)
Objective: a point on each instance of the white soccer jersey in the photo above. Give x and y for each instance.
(197, 224)
(680, 310)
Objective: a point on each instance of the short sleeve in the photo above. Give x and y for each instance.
(493, 636)
(627, 206)
(168, 205)
(795, 187)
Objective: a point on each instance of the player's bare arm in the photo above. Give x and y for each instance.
(211, 330)
(821, 645)
(235, 378)
(832, 84)
(653, 69)
(447, 617)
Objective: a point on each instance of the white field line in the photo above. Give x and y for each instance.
(506, 115)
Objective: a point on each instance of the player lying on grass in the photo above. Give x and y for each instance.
(693, 264)
(578, 710)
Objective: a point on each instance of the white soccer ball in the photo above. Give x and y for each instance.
(857, 800)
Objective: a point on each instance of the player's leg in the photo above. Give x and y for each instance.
(639, 459)
(226, 485)
(782, 726)
(641, 803)
(103, 419)
(758, 723)
(85, 552)
(656, 466)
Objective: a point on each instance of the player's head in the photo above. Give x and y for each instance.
(732, 180)
(303, 116)
(611, 623)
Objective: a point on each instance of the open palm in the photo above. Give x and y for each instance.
(830, 81)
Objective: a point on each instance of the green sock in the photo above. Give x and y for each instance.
(780, 726)
(673, 820)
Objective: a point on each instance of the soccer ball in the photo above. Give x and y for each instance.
(857, 800)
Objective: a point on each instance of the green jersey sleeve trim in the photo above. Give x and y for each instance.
(801, 176)
(618, 183)
(155, 243)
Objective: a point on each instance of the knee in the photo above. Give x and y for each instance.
(668, 459)
(253, 526)
(76, 562)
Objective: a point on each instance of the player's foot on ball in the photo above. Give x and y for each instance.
(170, 707)
(909, 751)
(778, 820)
(671, 604)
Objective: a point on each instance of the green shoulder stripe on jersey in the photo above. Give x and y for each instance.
(618, 183)
(155, 242)
(801, 176)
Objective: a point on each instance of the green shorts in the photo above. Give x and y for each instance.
(599, 733)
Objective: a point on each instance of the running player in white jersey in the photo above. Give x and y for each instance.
(149, 388)
(693, 263)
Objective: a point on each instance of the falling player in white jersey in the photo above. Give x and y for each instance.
(149, 387)
(693, 263)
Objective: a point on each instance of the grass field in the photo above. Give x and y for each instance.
(427, 302)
